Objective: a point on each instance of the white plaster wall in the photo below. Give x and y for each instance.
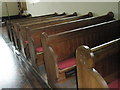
(98, 8)
(12, 8)
(0, 9)
(119, 10)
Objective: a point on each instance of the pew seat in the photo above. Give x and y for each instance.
(114, 84)
(39, 49)
(26, 42)
(68, 63)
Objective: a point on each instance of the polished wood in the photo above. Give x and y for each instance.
(36, 33)
(16, 29)
(58, 47)
(23, 31)
(89, 59)
(21, 27)
(10, 23)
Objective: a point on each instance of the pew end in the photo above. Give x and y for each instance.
(55, 76)
(88, 58)
(50, 58)
(52, 72)
(88, 77)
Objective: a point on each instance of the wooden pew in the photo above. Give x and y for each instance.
(12, 23)
(36, 33)
(64, 15)
(22, 28)
(9, 22)
(59, 49)
(17, 25)
(88, 60)
(15, 28)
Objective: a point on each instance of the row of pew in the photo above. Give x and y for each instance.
(70, 51)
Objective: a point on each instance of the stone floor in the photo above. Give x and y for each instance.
(11, 76)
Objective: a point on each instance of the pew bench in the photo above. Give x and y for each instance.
(14, 26)
(12, 23)
(34, 35)
(60, 47)
(22, 30)
(41, 19)
(9, 23)
(106, 56)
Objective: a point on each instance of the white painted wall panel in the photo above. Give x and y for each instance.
(12, 8)
(98, 8)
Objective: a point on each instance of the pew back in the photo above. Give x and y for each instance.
(47, 23)
(12, 23)
(92, 35)
(35, 18)
(22, 28)
(50, 18)
(53, 29)
(16, 25)
(9, 22)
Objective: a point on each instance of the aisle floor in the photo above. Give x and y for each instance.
(11, 75)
